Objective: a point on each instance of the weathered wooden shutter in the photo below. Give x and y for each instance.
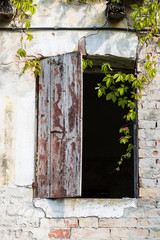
(60, 127)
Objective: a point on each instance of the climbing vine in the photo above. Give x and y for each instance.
(25, 10)
(125, 89)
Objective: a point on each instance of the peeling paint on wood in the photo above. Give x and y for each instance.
(60, 127)
(43, 130)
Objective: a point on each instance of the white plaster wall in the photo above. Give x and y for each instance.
(17, 111)
(64, 208)
(17, 93)
(61, 14)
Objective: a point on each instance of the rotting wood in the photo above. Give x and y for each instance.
(44, 131)
(60, 127)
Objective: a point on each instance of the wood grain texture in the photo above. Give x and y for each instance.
(60, 127)
(43, 171)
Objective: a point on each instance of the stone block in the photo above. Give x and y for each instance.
(59, 223)
(149, 183)
(150, 143)
(152, 213)
(117, 223)
(149, 192)
(147, 163)
(154, 234)
(143, 223)
(27, 222)
(147, 124)
(90, 233)
(149, 105)
(154, 223)
(149, 134)
(134, 213)
(90, 222)
(129, 233)
(150, 172)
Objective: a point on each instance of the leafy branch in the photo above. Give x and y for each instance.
(86, 63)
(146, 16)
(32, 64)
(25, 10)
(119, 88)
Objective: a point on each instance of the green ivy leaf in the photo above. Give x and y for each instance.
(21, 52)
(108, 82)
(122, 102)
(32, 10)
(109, 96)
(134, 6)
(28, 24)
(105, 67)
(29, 36)
(148, 56)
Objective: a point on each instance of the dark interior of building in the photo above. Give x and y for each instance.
(101, 148)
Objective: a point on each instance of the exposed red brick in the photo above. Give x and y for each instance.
(59, 233)
(140, 182)
(82, 46)
(155, 153)
(71, 222)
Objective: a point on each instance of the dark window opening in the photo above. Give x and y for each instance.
(101, 148)
(59, 170)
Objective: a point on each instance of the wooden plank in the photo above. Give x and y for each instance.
(43, 169)
(66, 125)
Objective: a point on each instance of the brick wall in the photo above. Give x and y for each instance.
(149, 128)
(21, 220)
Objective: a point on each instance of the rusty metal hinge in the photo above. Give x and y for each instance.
(34, 185)
(139, 183)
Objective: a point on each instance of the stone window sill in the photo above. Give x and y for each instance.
(80, 207)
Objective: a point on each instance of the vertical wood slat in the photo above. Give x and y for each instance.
(43, 168)
(64, 155)
(66, 125)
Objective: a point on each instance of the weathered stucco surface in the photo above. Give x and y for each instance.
(85, 207)
(17, 125)
(20, 216)
(21, 89)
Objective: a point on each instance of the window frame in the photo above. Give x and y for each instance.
(135, 139)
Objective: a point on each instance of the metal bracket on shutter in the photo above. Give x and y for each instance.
(34, 185)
